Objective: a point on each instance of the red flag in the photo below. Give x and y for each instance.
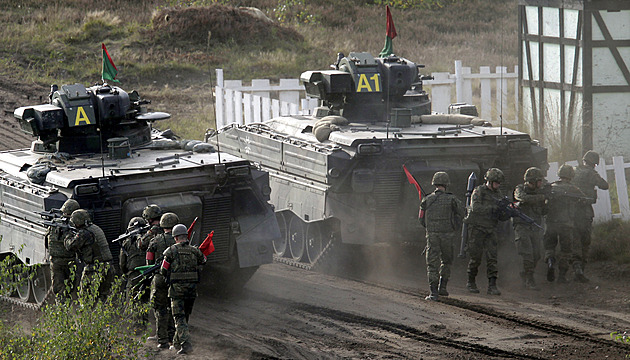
(190, 228)
(391, 29)
(109, 69)
(413, 182)
(207, 246)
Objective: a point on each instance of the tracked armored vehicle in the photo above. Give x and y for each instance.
(96, 145)
(339, 173)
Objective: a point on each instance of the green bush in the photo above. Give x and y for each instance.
(610, 242)
(84, 328)
(419, 4)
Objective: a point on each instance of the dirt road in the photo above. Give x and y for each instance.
(290, 313)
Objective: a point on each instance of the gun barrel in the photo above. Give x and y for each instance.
(472, 179)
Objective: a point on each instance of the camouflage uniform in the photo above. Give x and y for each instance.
(91, 245)
(130, 258)
(528, 237)
(181, 264)
(62, 261)
(586, 179)
(442, 219)
(482, 220)
(145, 240)
(164, 323)
(560, 228)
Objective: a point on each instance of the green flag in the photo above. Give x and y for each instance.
(391, 34)
(109, 69)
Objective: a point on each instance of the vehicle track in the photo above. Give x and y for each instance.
(497, 316)
(412, 333)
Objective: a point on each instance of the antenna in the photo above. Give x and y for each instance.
(100, 139)
(501, 84)
(214, 107)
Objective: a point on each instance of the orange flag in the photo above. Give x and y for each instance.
(207, 246)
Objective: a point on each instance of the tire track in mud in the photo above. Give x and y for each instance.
(497, 315)
(411, 333)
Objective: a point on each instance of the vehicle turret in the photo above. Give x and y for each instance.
(366, 89)
(80, 120)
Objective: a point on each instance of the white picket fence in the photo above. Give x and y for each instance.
(603, 206)
(260, 101)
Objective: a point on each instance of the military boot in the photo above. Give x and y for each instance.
(186, 348)
(551, 272)
(472, 285)
(530, 284)
(579, 273)
(562, 276)
(442, 288)
(492, 286)
(434, 292)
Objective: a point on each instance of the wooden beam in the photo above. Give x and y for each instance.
(553, 40)
(611, 89)
(587, 82)
(576, 67)
(614, 50)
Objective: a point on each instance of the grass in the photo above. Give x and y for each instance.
(173, 46)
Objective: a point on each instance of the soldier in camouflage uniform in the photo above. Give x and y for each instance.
(164, 324)
(92, 248)
(152, 214)
(181, 264)
(131, 257)
(482, 220)
(441, 215)
(62, 261)
(563, 202)
(586, 178)
(531, 201)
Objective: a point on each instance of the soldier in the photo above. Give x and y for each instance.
(441, 214)
(560, 225)
(586, 178)
(131, 257)
(482, 220)
(164, 324)
(61, 259)
(181, 264)
(532, 202)
(90, 244)
(152, 214)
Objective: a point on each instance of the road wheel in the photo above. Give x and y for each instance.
(280, 245)
(296, 238)
(24, 286)
(41, 283)
(314, 241)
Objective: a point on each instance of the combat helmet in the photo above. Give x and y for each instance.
(591, 158)
(179, 229)
(494, 175)
(80, 218)
(151, 212)
(69, 206)
(566, 171)
(533, 174)
(168, 220)
(136, 223)
(441, 178)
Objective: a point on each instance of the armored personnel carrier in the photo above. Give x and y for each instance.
(96, 145)
(339, 173)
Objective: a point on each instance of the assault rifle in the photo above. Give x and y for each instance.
(63, 226)
(146, 275)
(472, 178)
(50, 214)
(507, 207)
(549, 191)
(134, 232)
